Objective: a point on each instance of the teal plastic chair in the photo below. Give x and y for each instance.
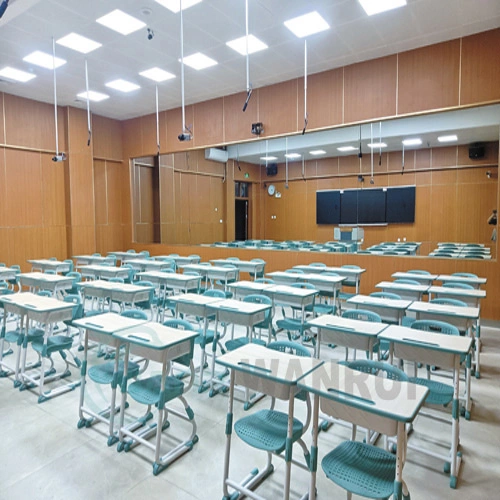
(349, 283)
(418, 271)
(151, 304)
(259, 274)
(463, 286)
(71, 266)
(448, 302)
(405, 281)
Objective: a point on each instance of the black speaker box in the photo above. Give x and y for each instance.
(271, 169)
(476, 151)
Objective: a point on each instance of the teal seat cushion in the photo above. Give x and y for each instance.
(55, 343)
(439, 393)
(233, 344)
(147, 391)
(267, 430)
(103, 373)
(362, 469)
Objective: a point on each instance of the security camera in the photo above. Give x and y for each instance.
(151, 34)
(184, 137)
(59, 157)
(257, 128)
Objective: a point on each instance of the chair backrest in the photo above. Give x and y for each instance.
(52, 258)
(182, 324)
(362, 315)
(317, 264)
(134, 313)
(131, 272)
(267, 281)
(431, 325)
(329, 273)
(50, 271)
(386, 295)
(78, 305)
(144, 253)
(195, 256)
(44, 293)
(96, 254)
(290, 348)
(17, 267)
(257, 298)
(445, 301)
(418, 271)
(116, 280)
(294, 271)
(130, 250)
(407, 282)
(2, 264)
(71, 265)
(233, 258)
(379, 368)
(463, 286)
(465, 275)
(146, 304)
(350, 281)
(214, 292)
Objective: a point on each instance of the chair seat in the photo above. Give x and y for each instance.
(345, 295)
(13, 336)
(292, 324)
(439, 393)
(55, 343)
(361, 469)
(204, 340)
(408, 321)
(103, 374)
(267, 430)
(147, 391)
(233, 344)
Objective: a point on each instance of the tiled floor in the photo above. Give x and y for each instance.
(44, 456)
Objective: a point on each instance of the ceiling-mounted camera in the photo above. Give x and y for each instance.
(184, 137)
(151, 34)
(257, 128)
(59, 157)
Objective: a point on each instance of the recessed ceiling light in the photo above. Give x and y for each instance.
(16, 74)
(376, 6)
(93, 96)
(175, 5)
(308, 24)
(157, 74)
(122, 85)
(344, 149)
(377, 145)
(412, 142)
(254, 45)
(118, 20)
(447, 138)
(317, 152)
(268, 158)
(199, 61)
(44, 60)
(79, 43)
(292, 156)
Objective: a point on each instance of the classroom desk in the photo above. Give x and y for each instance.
(115, 292)
(470, 297)
(7, 273)
(241, 289)
(100, 329)
(435, 349)
(55, 283)
(361, 399)
(214, 273)
(46, 311)
(346, 332)
(424, 279)
(163, 345)
(390, 310)
(234, 312)
(475, 282)
(196, 305)
(404, 290)
(267, 371)
(284, 278)
(246, 266)
(347, 272)
(172, 281)
(85, 260)
(103, 272)
(50, 265)
(124, 256)
(148, 264)
(464, 318)
(181, 261)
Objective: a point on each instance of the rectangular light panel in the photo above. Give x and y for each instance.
(121, 22)
(317, 152)
(93, 96)
(448, 138)
(412, 142)
(44, 60)
(175, 5)
(344, 149)
(16, 74)
(377, 145)
(306, 25)
(377, 6)
(157, 74)
(122, 85)
(254, 45)
(268, 158)
(199, 61)
(79, 43)
(292, 156)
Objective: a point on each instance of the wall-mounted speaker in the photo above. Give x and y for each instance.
(271, 169)
(476, 151)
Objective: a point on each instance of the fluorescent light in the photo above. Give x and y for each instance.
(175, 5)
(157, 74)
(268, 158)
(240, 45)
(118, 20)
(308, 24)
(376, 6)
(16, 74)
(412, 142)
(44, 60)
(377, 145)
(199, 61)
(292, 156)
(93, 96)
(317, 152)
(122, 85)
(448, 138)
(79, 43)
(344, 149)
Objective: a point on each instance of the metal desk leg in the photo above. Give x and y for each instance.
(314, 449)
(289, 446)
(229, 430)
(456, 456)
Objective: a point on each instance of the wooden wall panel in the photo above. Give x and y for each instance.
(3, 190)
(26, 243)
(132, 138)
(208, 118)
(444, 157)
(428, 77)
(2, 123)
(370, 89)
(100, 192)
(115, 193)
(325, 94)
(53, 195)
(174, 128)
(443, 206)
(54, 242)
(146, 195)
(107, 138)
(480, 68)
(278, 109)
(238, 124)
(167, 195)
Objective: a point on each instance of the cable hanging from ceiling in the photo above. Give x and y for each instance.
(186, 134)
(249, 86)
(58, 156)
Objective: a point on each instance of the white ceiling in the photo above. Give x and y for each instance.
(29, 25)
